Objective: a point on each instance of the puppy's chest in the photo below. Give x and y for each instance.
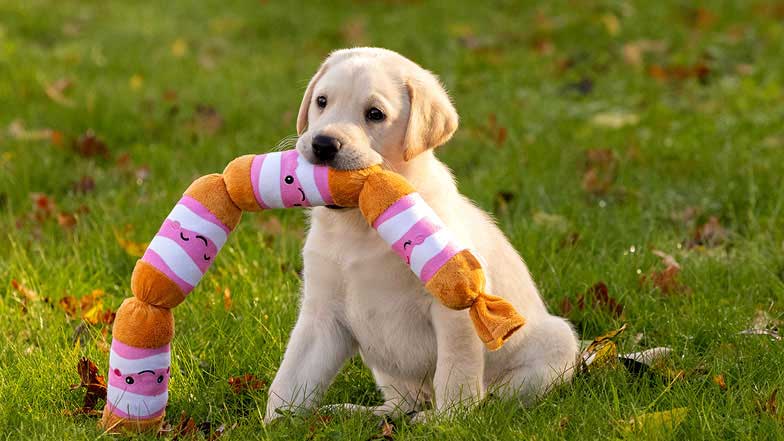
(382, 302)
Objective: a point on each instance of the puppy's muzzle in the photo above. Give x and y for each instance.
(325, 147)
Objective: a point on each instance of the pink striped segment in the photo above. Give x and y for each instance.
(417, 235)
(134, 353)
(286, 179)
(138, 380)
(155, 260)
(399, 206)
(203, 212)
(255, 172)
(187, 243)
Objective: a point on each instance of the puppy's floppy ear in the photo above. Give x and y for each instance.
(302, 116)
(432, 119)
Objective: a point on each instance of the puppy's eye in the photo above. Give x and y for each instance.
(321, 101)
(375, 115)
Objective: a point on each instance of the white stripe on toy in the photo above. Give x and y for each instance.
(192, 221)
(176, 259)
(269, 180)
(135, 405)
(306, 173)
(434, 244)
(392, 229)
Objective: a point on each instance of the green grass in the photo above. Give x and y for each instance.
(717, 145)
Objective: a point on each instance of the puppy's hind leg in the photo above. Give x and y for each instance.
(546, 359)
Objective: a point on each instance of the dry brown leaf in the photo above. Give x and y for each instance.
(709, 234)
(66, 220)
(55, 91)
(701, 71)
(354, 32)
(88, 145)
(206, 120)
(133, 249)
(667, 259)
(93, 382)
(245, 383)
(600, 171)
(17, 130)
(719, 381)
(227, 299)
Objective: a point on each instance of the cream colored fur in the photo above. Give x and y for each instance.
(358, 296)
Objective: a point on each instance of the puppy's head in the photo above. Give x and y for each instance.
(368, 105)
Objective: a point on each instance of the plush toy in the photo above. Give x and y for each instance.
(199, 225)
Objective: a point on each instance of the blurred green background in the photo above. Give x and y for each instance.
(597, 132)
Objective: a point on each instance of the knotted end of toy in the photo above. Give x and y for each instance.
(460, 284)
(495, 320)
(143, 325)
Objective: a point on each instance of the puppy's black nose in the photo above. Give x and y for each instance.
(325, 147)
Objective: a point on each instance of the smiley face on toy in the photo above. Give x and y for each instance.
(291, 191)
(146, 382)
(199, 247)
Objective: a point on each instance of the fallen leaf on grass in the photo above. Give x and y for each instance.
(602, 350)
(56, 92)
(28, 295)
(720, 381)
(600, 171)
(245, 383)
(598, 295)
(94, 384)
(387, 431)
(502, 200)
(227, 299)
(179, 48)
(205, 121)
(85, 184)
(354, 32)
(136, 82)
(133, 249)
(666, 280)
(771, 406)
(89, 308)
(17, 130)
(615, 120)
(710, 234)
(553, 221)
(634, 51)
(655, 422)
(700, 71)
(88, 145)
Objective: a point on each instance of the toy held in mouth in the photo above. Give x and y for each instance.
(199, 225)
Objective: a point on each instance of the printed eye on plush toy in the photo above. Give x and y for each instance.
(199, 225)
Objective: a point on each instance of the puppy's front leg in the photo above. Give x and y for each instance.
(318, 347)
(459, 375)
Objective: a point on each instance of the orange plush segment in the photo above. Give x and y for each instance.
(459, 284)
(345, 185)
(495, 320)
(151, 286)
(142, 325)
(381, 190)
(112, 423)
(210, 191)
(238, 183)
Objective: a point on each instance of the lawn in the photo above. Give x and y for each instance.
(601, 134)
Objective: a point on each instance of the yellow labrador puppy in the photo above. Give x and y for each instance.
(365, 106)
